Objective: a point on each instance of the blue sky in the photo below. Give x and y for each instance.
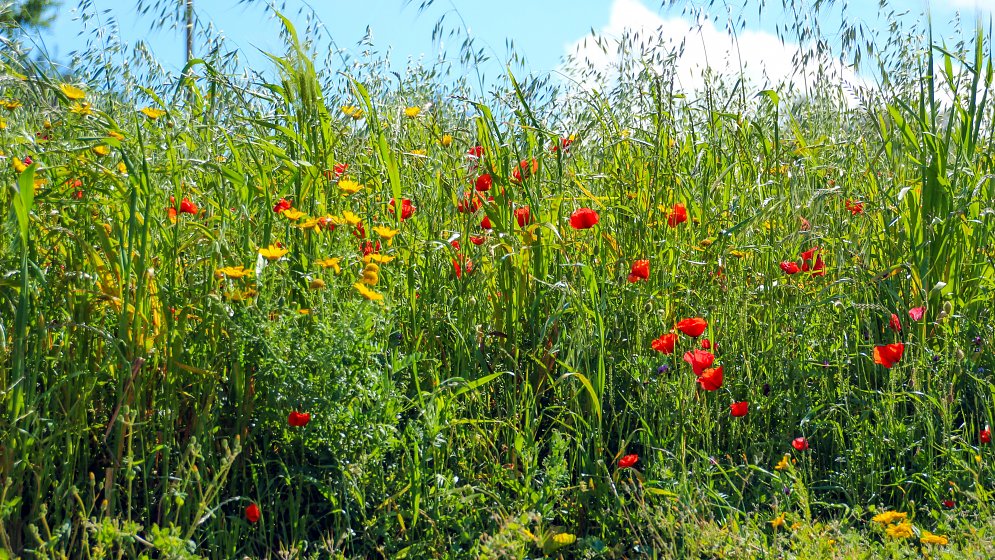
(542, 30)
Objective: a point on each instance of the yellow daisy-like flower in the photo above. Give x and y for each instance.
(317, 284)
(367, 293)
(350, 218)
(152, 113)
(782, 464)
(101, 150)
(81, 108)
(902, 530)
(563, 539)
(371, 274)
(72, 92)
(447, 140)
(232, 272)
(386, 233)
(412, 112)
(930, 538)
(293, 214)
(350, 110)
(312, 224)
(889, 517)
(777, 522)
(115, 135)
(10, 104)
(377, 258)
(18, 165)
(331, 262)
(273, 252)
(348, 186)
(122, 168)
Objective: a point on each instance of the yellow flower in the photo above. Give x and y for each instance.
(101, 150)
(273, 252)
(122, 168)
(72, 92)
(418, 152)
(930, 538)
(377, 258)
(348, 186)
(82, 109)
(350, 218)
(386, 233)
(446, 141)
(312, 224)
(350, 110)
(304, 311)
(889, 517)
(371, 274)
(412, 112)
(151, 112)
(778, 521)
(901, 531)
(232, 272)
(782, 464)
(115, 135)
(293, 214)
(3, 124)
(331, 262)
(367, 293)
(10, 104)
(241, 295)
(317, 284)
(563, 539)
(18, 165)
(737, 254)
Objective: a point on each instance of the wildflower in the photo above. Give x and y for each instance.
(475, 152)
(317, 284)
(349, 187)
(777, 522)
(640, 270)
(894, 324)
(523, 216)
(782, 464)
(477, 239)
(693, 327)
(273, 252)
(665, 344)
(412, 112)
(72, 92)
(678, 215)
(367, 293)
(483, 183)
(563, 539)
(739, 409)
(152, 113)
(370, 274)
(817, 268)
(469, 203)
(81, 108)
(461, 265)
(377, 258)
(800, 443)
(790, 267)
(351, 110)
(281, 205)
(339, 169)
(18, 165)
(299, 419)
(446, 140)
(386, 233)
(930, 538)
(711, 379)
(700, 360)
(101, 150)
(948, 504)
(10, 104)
(902, 530)
(331, 262)
(889, 354)
(564, 144)
(232, 272)
(115, 135)
(985, 436)
(407, 209)
(122, 168)
(917, 313)
(252, 513)
(486, 222)
(855, 207)
(583, 218)
(369, 248)
(628, 461)
(524, 170)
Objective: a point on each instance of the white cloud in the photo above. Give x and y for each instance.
(761, 58)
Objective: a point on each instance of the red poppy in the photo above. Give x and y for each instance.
(564, 143)
(340, 169)
(700, 360)
(985, 436)
(477, 239)
(583, 218)
(78, 194)
(739, 409)
(475, 152)
(855, 207)
(818, 267)
(678, 215)
(706, 344)
(483, 183)
(187, 207)
(948, 503)
(252, 513)
(640, 270)
(28, 160)
(326, 223)
(524, 170)
(889, 354)
(693, 327)
(461, 265)
(282, 205)
(917, 313)
(894, 324)
(486, 222)
(628, 461)
(790, 267)
(407, 209)
(359, 231)
(665, 344)
(523, 216)
(299, 419)
(369, 247)
(799, 443)
(469, 203)
(711, 379)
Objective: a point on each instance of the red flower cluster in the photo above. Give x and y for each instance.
(854, 206)
(811, 262)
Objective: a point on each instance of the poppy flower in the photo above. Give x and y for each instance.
(678, 215)
(711, 379)
(818, 267)
(640, 270)
(889, 354)
(461, 265)
(523, 216)
(486, 222)
(469, 203)
(483, 183)
(706, 344)
(628, 461)
(407, 209)
(739, 409)
(917, 313)
(799, 443)
(985, 436)
(665, 344)
(299, 419)
(524, 170)
(583, 218)
(790, 267)
(359, 231)
(340, 169)
(700, 360)
(693, 327)
(282, 205)
(369, 247)
(252, 513)
(854, 206)
(477, 239)
(187, 207)
(948, 503)
(564, 143)
(475, 152)
(894, 324)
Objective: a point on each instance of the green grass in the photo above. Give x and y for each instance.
(146, 395)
